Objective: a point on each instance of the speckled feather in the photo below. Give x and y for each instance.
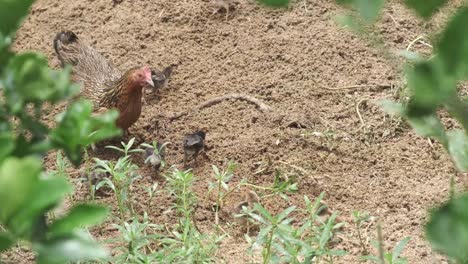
(102, 82)
(89, 67)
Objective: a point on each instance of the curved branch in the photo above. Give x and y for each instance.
(261, 106)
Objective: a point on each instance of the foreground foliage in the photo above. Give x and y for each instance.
(27, 193)
(432, 84)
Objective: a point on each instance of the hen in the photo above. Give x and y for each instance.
(102, 82)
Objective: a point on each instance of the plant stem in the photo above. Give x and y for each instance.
(267, 255)
(218, 202)
(380, 239)
(364, 248)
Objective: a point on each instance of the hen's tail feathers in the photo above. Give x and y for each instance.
(89, 67)
(63, 38)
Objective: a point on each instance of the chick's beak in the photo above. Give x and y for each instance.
(150, 82)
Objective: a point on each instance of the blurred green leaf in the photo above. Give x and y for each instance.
(91, 129)
(453, 45)
(7, 142)
(458, 148)
(12, 13)
(429, 88)
(410, 56)
(274, 3)
(47, 193)
(391, 107)
(80, 216)
(396, 252)
(429, 126)
(18, 178)
(447, 229)
(69, 248)
(5, 53)
(425, 8)
(368, 9)
(29, 79)
(6, 241)
(350, 22)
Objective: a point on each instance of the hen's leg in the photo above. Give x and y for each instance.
(185, 160)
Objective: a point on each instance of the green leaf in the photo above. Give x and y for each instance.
(29, 79)
(285, 213)
(426, 126)
(369, 9)
(410, 56)
(447, 229)
(350, 22)
(8, 144)
(458, 149)
(399, 248)
(91, 129)
(425, 8)
(71, 248)
(453, 46)
(215, 170)
(429, 126)
(80, 216)
(6, 241)
(391, 107)
(47, 193)
(274, 3)
(430, 88)
(12, 13)
(18, 178)
(371, 258)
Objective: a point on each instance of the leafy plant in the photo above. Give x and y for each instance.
(156, 150)
(392, 257)
(137, 237)
(188, 245)
(122, 175)
(359, 218)
(27, 192)
(221, 183)
(281, 242)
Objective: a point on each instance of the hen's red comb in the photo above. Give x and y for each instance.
(147, 72)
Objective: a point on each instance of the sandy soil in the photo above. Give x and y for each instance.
(286, 58)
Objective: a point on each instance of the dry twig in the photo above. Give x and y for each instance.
(261, 106)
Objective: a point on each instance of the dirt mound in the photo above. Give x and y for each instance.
(335, 141)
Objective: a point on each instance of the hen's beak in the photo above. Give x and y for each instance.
(150, 82)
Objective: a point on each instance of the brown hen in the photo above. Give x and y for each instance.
(102, 82)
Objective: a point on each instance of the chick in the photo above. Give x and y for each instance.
(161, 78)
(193, 144)
(94, 177)
(250, 198)
(222, 4)
(155, 157)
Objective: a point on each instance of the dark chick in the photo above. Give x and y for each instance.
(193, 144)
(155, 158)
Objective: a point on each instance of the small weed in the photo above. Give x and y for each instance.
(281, 242)
(122, 175)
